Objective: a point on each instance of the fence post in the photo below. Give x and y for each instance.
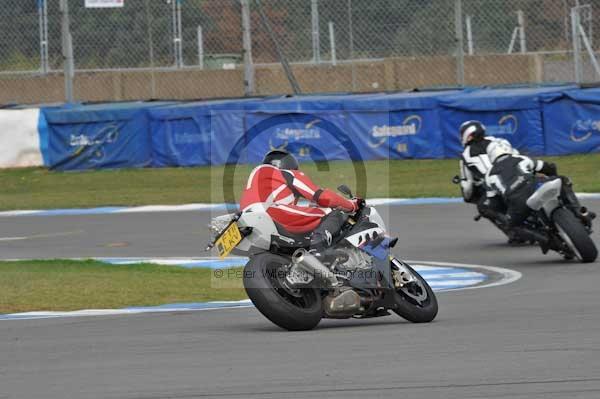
(576, 43)
(149, 23)
(67, 50)
(316, 34)
(469, 35)
(41, 25)
(43, 16)
(351, 40)
(179, 36)
(522, 41)
(460, 51)
(200, 38)
(174, 28)
(332, 43)
(247, 45)
(177, 39)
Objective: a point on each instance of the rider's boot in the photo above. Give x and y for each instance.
(322, 238)
(501, 221)
(531, 235)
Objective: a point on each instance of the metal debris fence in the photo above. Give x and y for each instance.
(183, 49)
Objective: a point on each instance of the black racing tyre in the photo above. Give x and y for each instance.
(416, 301)
(292, 310)
(575, 235)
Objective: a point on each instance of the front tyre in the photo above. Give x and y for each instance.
(293, 310)
(573, 232)
(415, 301)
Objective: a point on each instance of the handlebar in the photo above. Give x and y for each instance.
(361, 203)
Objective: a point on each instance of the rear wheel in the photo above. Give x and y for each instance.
(415, 300)
(575, 235)
(264, 281)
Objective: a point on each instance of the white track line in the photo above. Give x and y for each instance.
(2, 239)
(37, 236)
(508, 275)
(120, 312)
(222, 207)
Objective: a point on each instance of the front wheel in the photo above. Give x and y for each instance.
(415, 300)
(574, 234)
(293, 310)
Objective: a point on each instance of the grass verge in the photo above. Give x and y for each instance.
(37, 188)
(72, 285)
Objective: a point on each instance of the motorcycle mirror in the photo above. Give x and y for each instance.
(344, 189)
(456, 180)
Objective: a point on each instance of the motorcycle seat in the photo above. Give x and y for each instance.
(295, 236)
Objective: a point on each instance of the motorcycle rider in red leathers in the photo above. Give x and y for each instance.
(277, 185)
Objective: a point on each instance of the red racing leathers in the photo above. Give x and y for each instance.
(277, 191)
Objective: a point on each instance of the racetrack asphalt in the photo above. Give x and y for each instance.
(536, 338)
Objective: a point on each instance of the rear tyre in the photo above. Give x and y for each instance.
(416, 301)
(574, 233)
(293, 310)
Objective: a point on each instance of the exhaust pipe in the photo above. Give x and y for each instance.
(309, 263)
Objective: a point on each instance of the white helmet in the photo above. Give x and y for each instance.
(497, 148)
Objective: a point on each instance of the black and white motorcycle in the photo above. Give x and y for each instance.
(295, 288)
(553, 219)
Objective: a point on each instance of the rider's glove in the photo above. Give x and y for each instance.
(358, 203)
(551, 169)
(547, 168)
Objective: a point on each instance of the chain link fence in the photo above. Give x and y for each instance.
(30, 52)
(191, 49)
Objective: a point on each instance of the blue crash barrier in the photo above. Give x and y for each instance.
(397, 126)
(371, 126)
(99, 136)
(572, 122)
(316, 136)
(312, 127)
(196, 134)
(512, 114)
(554, 120)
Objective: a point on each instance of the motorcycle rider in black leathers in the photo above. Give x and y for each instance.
(512, 178)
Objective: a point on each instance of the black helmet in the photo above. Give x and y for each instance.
(281, 159)
(471, 130)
